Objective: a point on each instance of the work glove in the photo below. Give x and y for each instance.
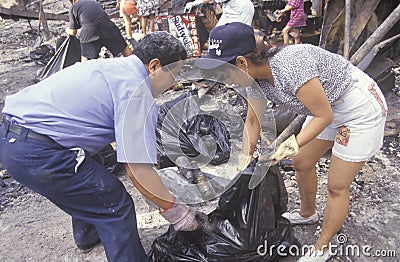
(189, 6)
(287, 149)
(184, 218)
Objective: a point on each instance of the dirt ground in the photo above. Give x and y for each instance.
(33, 229)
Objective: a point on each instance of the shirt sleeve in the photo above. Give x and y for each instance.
(296, 67)
(73, 20)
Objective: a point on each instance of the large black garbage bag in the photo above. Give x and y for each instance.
(182, 127)
(42, 54)
(67, 54)
(247, 226)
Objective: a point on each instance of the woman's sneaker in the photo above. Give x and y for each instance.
(295, 218)
(313, 255)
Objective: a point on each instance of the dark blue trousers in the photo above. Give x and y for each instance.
(97, 201)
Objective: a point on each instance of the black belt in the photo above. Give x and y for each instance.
(31, 134)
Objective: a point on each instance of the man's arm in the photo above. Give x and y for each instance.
(149, 184)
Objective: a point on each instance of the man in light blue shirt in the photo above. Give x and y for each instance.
(51, 130)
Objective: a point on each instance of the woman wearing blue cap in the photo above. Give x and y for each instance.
(346, 113)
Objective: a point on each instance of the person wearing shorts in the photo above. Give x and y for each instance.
(296, 21)
(346, 113)
(96, 30)
(126, 16)
(147, 9)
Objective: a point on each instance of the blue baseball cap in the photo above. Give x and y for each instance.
(226, 42)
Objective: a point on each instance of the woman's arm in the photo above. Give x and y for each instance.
(313, 96)
(251, 134)
(286, 9)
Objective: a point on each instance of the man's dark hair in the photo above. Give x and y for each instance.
(162, 45)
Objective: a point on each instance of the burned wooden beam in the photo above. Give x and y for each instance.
(15, 12)
(376, 37)
(361, 21)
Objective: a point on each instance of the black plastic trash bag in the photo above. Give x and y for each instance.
(42, 54)
(247, 226)
(67, 54)
(194, 132)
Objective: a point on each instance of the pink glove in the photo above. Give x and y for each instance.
(181, 216)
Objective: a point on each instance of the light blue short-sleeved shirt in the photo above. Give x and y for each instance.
(90, 105)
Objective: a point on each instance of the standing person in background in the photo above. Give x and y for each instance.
(296, 21)
(96, 30)
(126, 14)
(147, 10)
(232, 10)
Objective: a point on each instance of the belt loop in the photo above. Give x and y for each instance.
(24, 133)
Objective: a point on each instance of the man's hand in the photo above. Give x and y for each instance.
(189, 6)
(183, 217)
(288, 149)
(71, 31)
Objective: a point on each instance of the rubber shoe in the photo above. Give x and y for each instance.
(295, 218)
(87, 248)
(315, 256)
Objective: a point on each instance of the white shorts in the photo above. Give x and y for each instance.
(359, 120)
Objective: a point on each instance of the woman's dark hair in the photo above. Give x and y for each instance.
(262, 52)
(162, 45)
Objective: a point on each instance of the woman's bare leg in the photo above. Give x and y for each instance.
(285, 32)
(143, 22)
(341, 174)
(306, 175)
(151, 17)
(128, 25)
(297, 35)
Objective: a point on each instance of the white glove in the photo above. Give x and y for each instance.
(189, 6)
(288, 149)
(183, 217)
